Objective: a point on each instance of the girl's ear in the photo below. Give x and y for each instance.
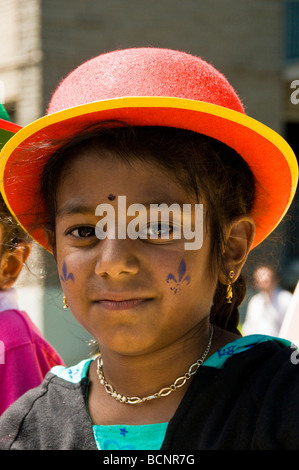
(11, 264)
(239, 238)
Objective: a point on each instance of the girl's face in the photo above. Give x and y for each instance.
(133, 295)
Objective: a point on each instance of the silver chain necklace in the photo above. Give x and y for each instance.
(179, 382)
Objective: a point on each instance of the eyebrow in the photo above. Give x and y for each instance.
(73, 208)
(168, 202)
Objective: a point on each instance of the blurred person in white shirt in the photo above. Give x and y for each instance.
(266, 309)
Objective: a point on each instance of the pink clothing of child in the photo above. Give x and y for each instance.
(25, 356)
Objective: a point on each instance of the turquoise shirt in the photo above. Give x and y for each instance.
(151, 436)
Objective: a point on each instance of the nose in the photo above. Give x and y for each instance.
(116, 258)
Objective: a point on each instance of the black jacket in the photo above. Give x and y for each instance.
(250, 403)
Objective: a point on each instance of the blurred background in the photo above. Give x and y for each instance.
(254, 43)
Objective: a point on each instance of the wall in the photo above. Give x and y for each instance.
(241, 38)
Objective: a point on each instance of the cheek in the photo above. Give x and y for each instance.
(66, 273)
(71, 263)
(178, 273)
(188, 279)
(71, 273)
(179, 277)
(67, 278)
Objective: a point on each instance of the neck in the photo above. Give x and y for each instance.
(145, 375)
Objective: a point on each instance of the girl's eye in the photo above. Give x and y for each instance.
(159, 230)
(82, 232)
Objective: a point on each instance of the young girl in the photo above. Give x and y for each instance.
(127, 132)
(25, 356)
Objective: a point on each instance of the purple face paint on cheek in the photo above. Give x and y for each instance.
(65, 276)
(176, 282)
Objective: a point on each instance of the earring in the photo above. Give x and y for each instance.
(229, 289)
(65, 305)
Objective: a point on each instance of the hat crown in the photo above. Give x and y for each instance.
(144, 72)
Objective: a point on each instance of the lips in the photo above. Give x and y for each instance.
(120, 301)
(121, 304)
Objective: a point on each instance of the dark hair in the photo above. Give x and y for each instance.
(12, 232)
(202, 165)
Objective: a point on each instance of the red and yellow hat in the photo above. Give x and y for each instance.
(151, 87)
(7, 128)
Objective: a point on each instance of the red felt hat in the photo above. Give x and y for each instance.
(154, 87)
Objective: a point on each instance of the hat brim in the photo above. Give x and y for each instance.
(7, 131)
(269, 156)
